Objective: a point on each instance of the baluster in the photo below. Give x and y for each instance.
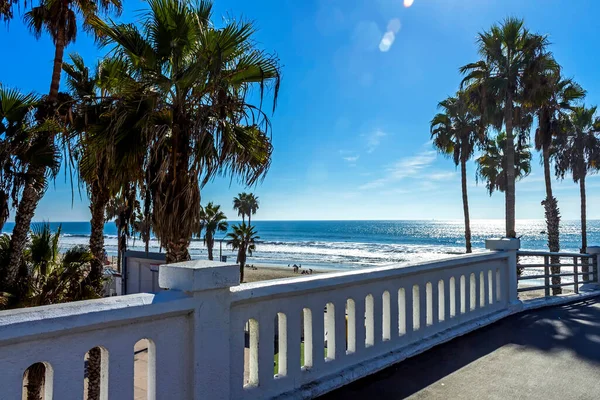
(318, 325)
(435, 299)
(340, 329)
(377, 317)
(69, 376)
(294, 338)
(360, 336)
(266, 349)
(120, 370)
(422, 306)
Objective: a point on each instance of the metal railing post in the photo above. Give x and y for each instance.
(546, 277)
(576, 275)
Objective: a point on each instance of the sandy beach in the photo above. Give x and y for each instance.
(266, 273)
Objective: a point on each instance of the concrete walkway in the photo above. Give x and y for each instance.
(551, 353)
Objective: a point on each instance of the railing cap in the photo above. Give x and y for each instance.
(503, 244)
(198, 275)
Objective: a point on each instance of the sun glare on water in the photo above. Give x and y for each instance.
(408, 3)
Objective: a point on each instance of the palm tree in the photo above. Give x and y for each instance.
(212, 220)
(23, 149)
(509, 54)
(552, 96)
(456, 131)
(122, 208)
(59, 20)
(243, 239)
(492, 165)
(577, 151)
(107, 163)
(47, 277)
(202, 123)
(143, 226)
(252, 206)
(240, 204)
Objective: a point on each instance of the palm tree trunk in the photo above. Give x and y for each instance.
(585, 268)
(552, 215)
(209, 245)
(510, 168)
(465, 198)
(23, 217)
(242, 260)
(33, 191)
(99, 199)
(177, 251)
(36, 376)
(59, 51)
(94, 370)
(249, 219)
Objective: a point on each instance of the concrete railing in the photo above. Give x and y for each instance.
(211, 338)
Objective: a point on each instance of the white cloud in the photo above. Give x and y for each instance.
(408, 167)
(351, 158)
(374, 139)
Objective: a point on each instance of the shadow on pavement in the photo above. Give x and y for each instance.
(524, 350)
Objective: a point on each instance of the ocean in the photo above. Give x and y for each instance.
(347, 245)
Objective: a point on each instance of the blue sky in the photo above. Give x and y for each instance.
(351, 131)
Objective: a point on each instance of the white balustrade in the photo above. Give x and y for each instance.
(211, 338)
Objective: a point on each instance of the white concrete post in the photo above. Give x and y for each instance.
(510, 246)
(208, 282)
(595, 250)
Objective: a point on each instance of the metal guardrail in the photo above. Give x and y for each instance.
(553, 260)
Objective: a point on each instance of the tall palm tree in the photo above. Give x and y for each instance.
(456, 132)
(243, 239)
(107, 163)
(16, 128)
(212, 220)
(577, 151)
(59, 19)
(492, 165)
(203, 123)
(252, 206)
(240, 204)
(509, 52)
(552, 97)
(23, 149)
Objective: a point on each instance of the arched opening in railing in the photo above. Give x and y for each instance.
(251, 354)
(369, 321)
(429, 303)
(481, 290)
(452, 297)
(463, 295)
(329, 323)
(37, 382)
(490, 287)
(416, 308)
(281, 348)
(472, 292)
(441, 301)
(95, 383)
(350, 326)
(386, 331)
(144, 369)
(306, 345)
(401, 312)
